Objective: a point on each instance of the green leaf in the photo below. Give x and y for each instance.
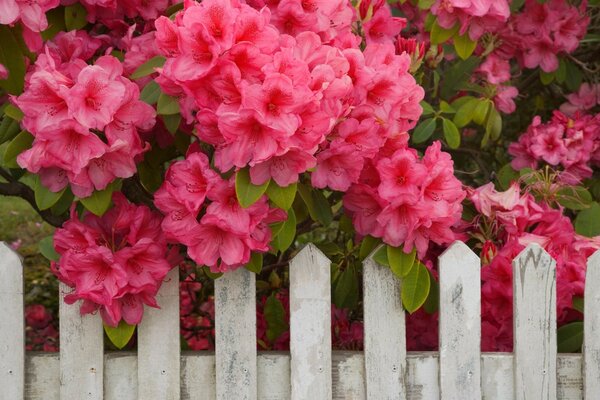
(18, 145)
(574, 76)
(150, 93)
(172, 122)
(13, 112)
(121, 335)
(587, 222)
(56, 23)
(464, 114)
(464, 46)
(75, 17)
(367, 246)
(151, 176)
(13, 59)
(425, 4)
(506, 175)
(46, 247)
(569, 337)
(380, 256)
(275, 317)
(246, 192)
(64, 203)
(446, 108)
(451, 134)
(481, 111)
(44, 198)
(286, 235)
(440, 35)
(516, 5)
(148, 67)
(400, 262)
(167, 105)
(578, 303)
(547, 77)
(9, 129)
(493, 125)
(561, 72)
(432, 304)
(210, 274)
(99, 201)
(317, 205)
(424, 130)
(427, 109)
(256, 263)
(457, 75)
(574, 197)
(282, 197)
(415, 288)
(345, 291)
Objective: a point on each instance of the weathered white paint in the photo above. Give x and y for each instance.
(235, 335)
(534, 313)
(159, 346)
(274, 376)
(591, 330)
(120, 374)
(385, 333)
(198, 375)
(12, 329)
(460, 323)
(310, 325)
(81, 352)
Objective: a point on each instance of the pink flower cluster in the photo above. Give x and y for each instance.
(406, 200)
(267, 100)
(541, 31)
(85, 118)
(586, 98)
(474, 17)
(115, 263)
(41, 333)
(220, 234)
(113, 12)
(518, 220)
(496, 71)
(31, 13)
(571, 143)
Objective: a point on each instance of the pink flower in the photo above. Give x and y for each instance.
(400, 177)
(3, 72)
(32, 13)
(504, 99)
(337, 168)
(495, 69)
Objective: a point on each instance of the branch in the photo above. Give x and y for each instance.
(18, 189)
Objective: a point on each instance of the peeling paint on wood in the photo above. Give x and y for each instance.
(591, 329)
(534, 313)
(460, 323)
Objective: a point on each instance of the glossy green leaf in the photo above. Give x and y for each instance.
(493, 125)
(506, 175)
(149, 67)
(75, 17)
(578, 303)
(569, 337)
(440, 35)
(256, 263)
(150, 93)
(346, 289)
(167, 105)
(282, 197)
(457, 75)
(451, 134)
(19, 144)
(286, 235)
(446, 108)
(424, 130)
(210, 274)
(367, 245)
(13, 59)
(46, 248)
(64, 203)
(547, 77)
(427, 109)
(465, 112)
(587, 222)
(121, 335)
(561, 72)
(44, 198)
(9, 129)
(574, 76)
(13, 112)
(400, 262)
(246, 192)
(275, 318)
(464, 46)
(481, 111)
(415, 288)
(172, 122)
(317, 204)
(380, 256)
(99, 201)
(432, 304)
(574, 197)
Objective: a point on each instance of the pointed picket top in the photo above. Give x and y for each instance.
(534, 314)
(312, 259)
(591, 329)
(12, 329)
(460, 323)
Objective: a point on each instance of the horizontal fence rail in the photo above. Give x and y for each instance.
(312, 371)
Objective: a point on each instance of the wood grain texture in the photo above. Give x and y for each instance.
(159, 346)
(274, 373)
(310, 325)
(460, 323)
(534, 313)
(235, 335)
(385, 333)
(348, 384)
(81, 352)
(591, 329)
(120, 374)
(12, 329)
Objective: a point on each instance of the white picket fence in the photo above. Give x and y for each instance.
(311, 371)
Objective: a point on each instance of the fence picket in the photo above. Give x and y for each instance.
(591, 329)
(385, 333)
(81, 352)
(235, 335)
(158, 344)
(534, 313)
(12, 330)
(460, 323)
(310, 324)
